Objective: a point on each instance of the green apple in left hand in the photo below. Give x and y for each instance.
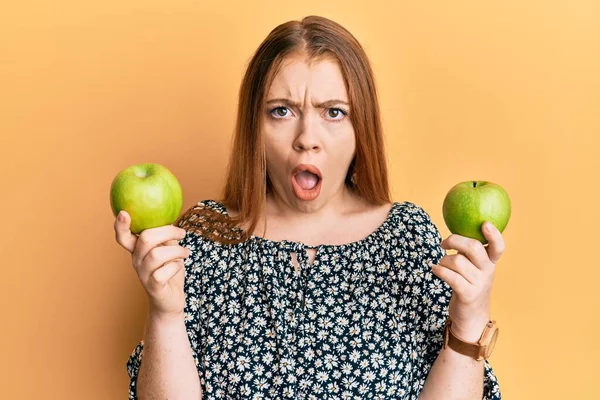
(469, 204)
(150, 193)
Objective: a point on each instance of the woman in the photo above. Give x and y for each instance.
(305, 280)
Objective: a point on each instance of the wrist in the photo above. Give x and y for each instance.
(470, 332)
(164, 318)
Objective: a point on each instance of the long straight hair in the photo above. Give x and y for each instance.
(247, 184)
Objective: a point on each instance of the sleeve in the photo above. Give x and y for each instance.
(194, 266)
(432, 300)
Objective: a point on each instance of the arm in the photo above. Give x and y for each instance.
(454, 375)
(168, 369)
(171, 349)
(445, 373)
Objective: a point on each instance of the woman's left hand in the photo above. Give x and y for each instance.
(470, 274)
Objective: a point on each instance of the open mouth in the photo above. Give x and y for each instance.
(306, 181)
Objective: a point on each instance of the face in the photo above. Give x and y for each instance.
(310, 140)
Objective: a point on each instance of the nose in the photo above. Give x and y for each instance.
(308, 135)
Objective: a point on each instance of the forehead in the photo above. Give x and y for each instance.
(297, 76)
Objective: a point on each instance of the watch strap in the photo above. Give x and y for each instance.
(473, 350)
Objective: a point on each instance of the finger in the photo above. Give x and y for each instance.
(496, 245)
(159, 256)
(471, 248)
(122, 232)
(461, 265)
(456, 281)
(163, 275)
(153, 237)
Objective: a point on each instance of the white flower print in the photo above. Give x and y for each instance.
(365, 320)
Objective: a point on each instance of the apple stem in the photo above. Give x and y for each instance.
(474, 184)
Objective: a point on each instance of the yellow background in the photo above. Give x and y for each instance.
(506, 91)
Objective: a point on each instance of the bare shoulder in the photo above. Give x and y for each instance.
(374, 215)
(365, 209)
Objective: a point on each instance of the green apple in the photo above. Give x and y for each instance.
(150, 193)
(469, 204)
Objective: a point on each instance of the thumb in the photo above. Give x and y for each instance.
(495, 240)
(123, 234)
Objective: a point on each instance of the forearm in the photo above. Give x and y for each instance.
(167, 369)
(454, 375)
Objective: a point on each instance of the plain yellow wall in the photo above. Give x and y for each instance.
(506, 91)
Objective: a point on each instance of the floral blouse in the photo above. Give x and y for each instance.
(363, 321)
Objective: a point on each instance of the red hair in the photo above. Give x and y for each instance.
(247, 183)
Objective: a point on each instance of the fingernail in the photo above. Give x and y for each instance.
(121, 217)
(489, 227)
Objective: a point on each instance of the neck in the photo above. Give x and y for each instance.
(318, 211)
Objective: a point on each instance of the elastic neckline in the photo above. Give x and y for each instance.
(369, 238)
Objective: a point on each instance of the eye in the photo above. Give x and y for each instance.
(337, 112)
(279, 112)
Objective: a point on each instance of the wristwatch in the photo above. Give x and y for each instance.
(480, 350)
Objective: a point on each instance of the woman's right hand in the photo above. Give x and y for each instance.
(158, 260)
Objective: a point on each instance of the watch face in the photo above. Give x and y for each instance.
(490, 346)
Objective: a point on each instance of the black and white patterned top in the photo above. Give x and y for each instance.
(363, 321)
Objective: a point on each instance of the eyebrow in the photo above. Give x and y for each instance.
(324, 104)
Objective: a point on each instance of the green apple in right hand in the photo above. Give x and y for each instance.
(150, 193)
